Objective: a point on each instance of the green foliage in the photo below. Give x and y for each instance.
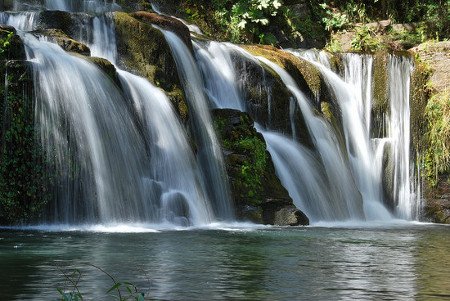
(334, 19)
(247, 19)
(365, 40)
(252, 170)
(5, 42)
(22, 176)
(409, 39)
(248, 171)
(333, 46)
(437, 156)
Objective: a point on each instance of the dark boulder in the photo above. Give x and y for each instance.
(257, 192)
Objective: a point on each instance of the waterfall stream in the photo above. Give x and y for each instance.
(209, 153)
(142, 167)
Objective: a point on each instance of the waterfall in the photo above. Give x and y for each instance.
(25, 21)
(342, 188)
(405, 192)
(98, 164)
(209, 152)
(221, 87)
(302, 174)
(322, 193)
(173, 168)
(357, 139)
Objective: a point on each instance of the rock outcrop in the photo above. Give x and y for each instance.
(256, 190)
(143, 50)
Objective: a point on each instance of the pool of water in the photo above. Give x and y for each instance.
(343, 262)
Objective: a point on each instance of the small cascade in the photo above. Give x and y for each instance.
(174, 174)
(25, 21)
(405, 195)
(104, 38)
(302, 174)
(342, 188)
(209, 153)
(357, 139)
(313, 190)
(358, 71)
(221, 86)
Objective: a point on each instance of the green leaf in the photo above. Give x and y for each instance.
(114, 287)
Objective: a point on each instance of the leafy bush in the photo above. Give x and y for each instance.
(334, 19)
(365, 40)
(248, 19)
(437, 158)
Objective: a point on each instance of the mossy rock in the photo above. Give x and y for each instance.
(14, 49)
(256, 191)
(269, 101)
(144, 50)
(23, 180)
(57, 20)
(380, 104)
(303, 72)
(167, 23)
(64, 41)
(106, 66)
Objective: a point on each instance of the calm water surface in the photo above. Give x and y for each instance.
(315, 263)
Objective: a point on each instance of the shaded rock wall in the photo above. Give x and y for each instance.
(256, 190)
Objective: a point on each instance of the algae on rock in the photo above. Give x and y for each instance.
(257, 192)
(143, 49)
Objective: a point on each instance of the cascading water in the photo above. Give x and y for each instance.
(405, 192)
(221, 86)
(209, 152)
(25, 21)
(99, 164)
(103, 166)
(357, 140)
(342, 188)
(173, 169)
(310, 190)
(172, 162)
(106, 171)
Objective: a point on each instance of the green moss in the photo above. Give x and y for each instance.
(420, 93)
(380, 104)
(247, 163)
(23, 180)
(144, 50)
(106, 66)
(301, 70)
(437, 155)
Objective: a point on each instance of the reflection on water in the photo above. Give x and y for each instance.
(401, 263)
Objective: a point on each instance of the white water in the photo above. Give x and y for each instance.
(209, 153)
(357, 139)
(25, 21)
(219, 75)
(174, 173)
(93, 6)
(342, 188)
(98, 165)
(405, 191)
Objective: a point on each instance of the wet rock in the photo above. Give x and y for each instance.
(166, 22)
(58, 20)
(64, 41)
(256, 190)
(143, 50)
(290, 216)
(268, 100)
